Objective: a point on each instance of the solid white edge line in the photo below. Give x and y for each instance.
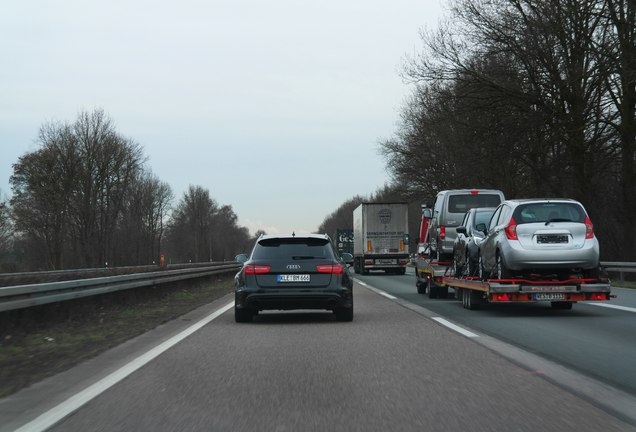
(611, 306)
(73, 403)
(454, 327)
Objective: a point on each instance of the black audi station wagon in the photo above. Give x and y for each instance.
(295, 271)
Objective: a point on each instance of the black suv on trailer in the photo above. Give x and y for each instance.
(293, 272)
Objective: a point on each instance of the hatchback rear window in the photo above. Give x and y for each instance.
(293, 248)
(463, 203)
(549, 211)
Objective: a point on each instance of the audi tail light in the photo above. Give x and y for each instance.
(589, 228)
(511, 230)
(330, 268)
(256, 269)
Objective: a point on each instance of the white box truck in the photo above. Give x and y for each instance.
(380, 237)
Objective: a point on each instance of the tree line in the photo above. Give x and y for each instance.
(85, 198)
(536, 98)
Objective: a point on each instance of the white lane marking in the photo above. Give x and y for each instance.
(611, 306)
(73, 403)
(454, 327)
(378, 291)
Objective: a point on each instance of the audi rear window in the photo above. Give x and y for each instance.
(549, 212)
(463, 203)
(293, 248)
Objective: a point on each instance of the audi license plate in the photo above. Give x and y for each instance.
(293, 278)
(549, 296)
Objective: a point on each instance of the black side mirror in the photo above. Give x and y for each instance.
(461, 230)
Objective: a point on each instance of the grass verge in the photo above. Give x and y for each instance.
(45, 340)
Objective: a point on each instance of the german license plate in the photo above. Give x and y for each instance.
(386, 261)
(293, 278)
(549, 296)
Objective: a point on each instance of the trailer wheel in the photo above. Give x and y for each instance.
(420, 288)
(473, 299)
(561, 305)
(431, 289)
(356, 266)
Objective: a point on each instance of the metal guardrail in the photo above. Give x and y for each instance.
(22, 296)
(619, 267)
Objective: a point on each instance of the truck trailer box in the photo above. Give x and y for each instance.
(380, 237)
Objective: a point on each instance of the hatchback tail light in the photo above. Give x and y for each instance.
(511, 230)
(256, 269)
(330, 268)
(589, 228)
(442, 232)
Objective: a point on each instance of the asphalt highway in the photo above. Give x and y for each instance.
(392, 368)
(594, 339)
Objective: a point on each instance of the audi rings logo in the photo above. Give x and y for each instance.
(293, 267)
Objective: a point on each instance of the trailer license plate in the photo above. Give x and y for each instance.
(293, 278)
(549, 296)
(386, 261)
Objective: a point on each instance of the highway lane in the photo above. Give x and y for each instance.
(594, 340)
(390, 369)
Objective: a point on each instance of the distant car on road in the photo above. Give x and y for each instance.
(540, 236)
(293, 271)
(468, 240)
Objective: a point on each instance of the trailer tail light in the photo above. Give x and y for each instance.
(511, 230)
(442, 232)
(589, 228)
(500, 297)
(403, 261)
(368, 262)
(256, 269)
(598, 296)
(330, 268)
(369, 246)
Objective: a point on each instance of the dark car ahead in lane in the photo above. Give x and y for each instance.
(468, 240)
(287, 272)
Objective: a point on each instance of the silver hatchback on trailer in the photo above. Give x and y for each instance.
(539, 236)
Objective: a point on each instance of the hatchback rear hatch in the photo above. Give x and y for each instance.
(551, 225)
(294, 263)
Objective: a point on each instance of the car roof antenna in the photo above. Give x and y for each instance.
(293, 234)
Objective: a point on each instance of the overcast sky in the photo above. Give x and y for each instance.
(277, 107)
